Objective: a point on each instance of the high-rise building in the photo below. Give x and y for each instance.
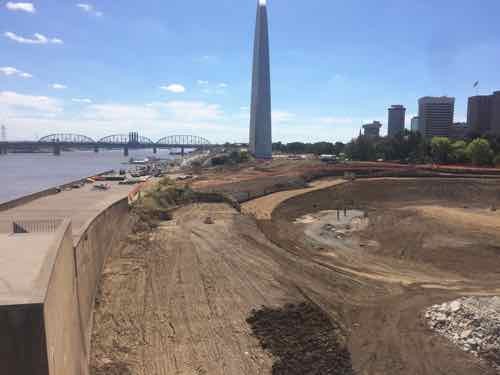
(483, 114)
(414, 124)
(396, 123)
(479, 113)
(372, 130)
(436, 116)
(260, 117)
(459, 130)
(495, 113)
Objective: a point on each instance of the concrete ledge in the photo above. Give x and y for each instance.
(48, 332)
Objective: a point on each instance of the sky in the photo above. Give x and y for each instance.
(167, 67)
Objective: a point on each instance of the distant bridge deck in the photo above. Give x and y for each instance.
(117, 141)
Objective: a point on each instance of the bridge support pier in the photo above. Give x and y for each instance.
(155, 150)
(182, 151)
(96, 149)
(57, 149)
(125, 151)
(3, 150)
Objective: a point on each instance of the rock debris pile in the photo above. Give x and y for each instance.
(472, 323)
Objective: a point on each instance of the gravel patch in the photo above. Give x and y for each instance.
(472, 323)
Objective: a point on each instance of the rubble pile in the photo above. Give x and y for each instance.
(472, 323)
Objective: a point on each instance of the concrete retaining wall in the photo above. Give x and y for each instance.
(39, 337)
(91, 250)
(53, 337)
(22, 340)
(64, 336)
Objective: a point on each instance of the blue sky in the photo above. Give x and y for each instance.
(168, 67)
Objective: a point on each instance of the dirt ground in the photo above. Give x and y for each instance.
(262, 208)
(241, 296)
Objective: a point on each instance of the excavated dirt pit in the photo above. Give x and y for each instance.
(274, 297)
(334, 228)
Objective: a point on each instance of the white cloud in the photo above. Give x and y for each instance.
(202, 83)
(85, 7)
(193, 111)
(37, 39)
(10, 71)
(89, 8)
(338, 120)
(23, 7)
(11, 102)
(81, 100)
(208, 59)
(120, 112)
(58, 86)
(282, 116)
(174, 88)
(222, 85)
(188, 111)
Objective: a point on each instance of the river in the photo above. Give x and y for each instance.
(23, 174)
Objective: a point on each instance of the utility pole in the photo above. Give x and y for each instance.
(4, 134)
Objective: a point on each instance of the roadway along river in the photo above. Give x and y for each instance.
(23, 174)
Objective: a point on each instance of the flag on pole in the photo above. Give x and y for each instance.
(476, 84)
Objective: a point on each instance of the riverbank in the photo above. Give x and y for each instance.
(26, 174)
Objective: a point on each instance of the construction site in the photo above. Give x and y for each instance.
(306, 269)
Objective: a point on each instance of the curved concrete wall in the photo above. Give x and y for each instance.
(91, 250)
(60, 309)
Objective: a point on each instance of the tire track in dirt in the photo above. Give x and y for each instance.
(199, 282)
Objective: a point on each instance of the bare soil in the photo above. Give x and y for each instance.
(243, 297)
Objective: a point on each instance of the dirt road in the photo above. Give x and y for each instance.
(181, 306)
(262, 208)
(234, 297)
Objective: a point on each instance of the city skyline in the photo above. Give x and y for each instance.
(183, 67)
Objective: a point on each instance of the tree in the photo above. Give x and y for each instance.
(338, 148)
(362, 148)
(459, 152)
(296, 147)
(479, 152)
(280, 147)
(440, 149)
(496, 160)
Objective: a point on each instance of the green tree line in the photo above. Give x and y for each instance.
(407, 147)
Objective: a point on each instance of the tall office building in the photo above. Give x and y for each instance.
(483, 113)
(260, 117)
(459, 131)
(479, 114)
(495, 113)
(396, 123)
(435, 116)
(372, 130)
(414, 124)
